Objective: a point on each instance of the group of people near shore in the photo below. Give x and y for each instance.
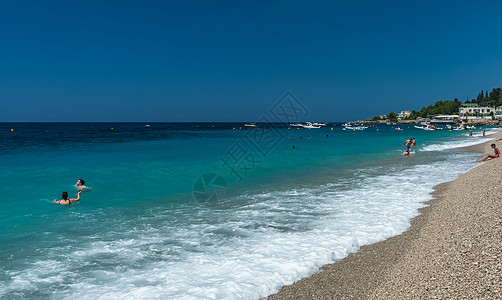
(408, 145)
(80, 185)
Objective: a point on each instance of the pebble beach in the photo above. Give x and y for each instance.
(453, 249)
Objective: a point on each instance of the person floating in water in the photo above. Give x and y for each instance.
(65, 200)
(81, 185)
(497, 153)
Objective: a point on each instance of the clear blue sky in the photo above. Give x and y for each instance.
(231, 60)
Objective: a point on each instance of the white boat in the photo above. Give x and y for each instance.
(397, 128)
(250, 125)
(354, 128)
(147, 126)
(470, 127)
(296, 125)
(319, 124)
(459, 128)
(426, 127)
(310, 126)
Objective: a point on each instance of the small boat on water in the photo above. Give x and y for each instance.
(250, 125)
(354, 128)
(397, 128)
(319, 124)
(309, 125)
(470, 127)
(147, 126)
(296, 125)
(426, 127)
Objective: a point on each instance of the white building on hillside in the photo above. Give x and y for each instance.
(404, 114)
(473, 110)
(498, 112)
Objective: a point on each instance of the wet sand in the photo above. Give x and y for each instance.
(453, 249)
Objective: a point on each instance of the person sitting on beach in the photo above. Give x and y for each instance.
(497, 153)
(65, 200)
(81, 185)
(407, 144)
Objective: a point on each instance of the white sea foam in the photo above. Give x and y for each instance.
(463, 141)
(244, 252)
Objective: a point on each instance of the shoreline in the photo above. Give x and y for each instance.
(434, 257)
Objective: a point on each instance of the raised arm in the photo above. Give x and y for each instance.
(78, 197)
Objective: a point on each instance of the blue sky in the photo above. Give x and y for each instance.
(231, 60)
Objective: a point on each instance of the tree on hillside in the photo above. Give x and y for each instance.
(480, 97)
(496, 97)
(392, 117)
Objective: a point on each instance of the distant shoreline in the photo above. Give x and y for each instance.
(475, 122)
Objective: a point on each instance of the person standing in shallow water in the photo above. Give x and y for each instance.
(65, 200)
(408, 144)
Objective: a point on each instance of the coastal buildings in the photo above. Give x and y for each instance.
(404, 114)
(498, 112)
(470, 113)
(474, 111)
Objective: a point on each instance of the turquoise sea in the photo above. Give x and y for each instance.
(203, 210)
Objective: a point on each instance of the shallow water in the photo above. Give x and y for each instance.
(263, 215)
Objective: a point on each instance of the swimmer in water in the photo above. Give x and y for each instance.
(81, 185)
(65, 200)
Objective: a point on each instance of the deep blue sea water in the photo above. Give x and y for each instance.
(203, 210)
